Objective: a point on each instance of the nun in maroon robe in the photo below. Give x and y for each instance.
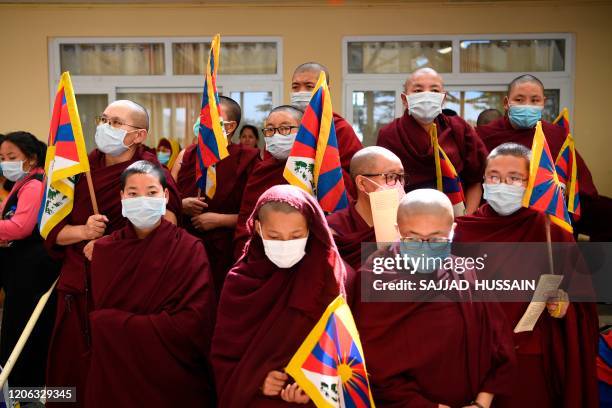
(433, 348)
(594, 221)
(69, 347)
(412, 144)
(557, 359)
(350, 230)
(151, 320)
(232, 175)
(266, 312)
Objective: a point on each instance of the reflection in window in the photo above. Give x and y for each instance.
(112, 59)
(89, 107)
(371, 111)
(469, 104)
(512, 55)
(255, 108)
(396, 57)
(171, 115)
(237, 58)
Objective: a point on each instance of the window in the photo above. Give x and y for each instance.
(166, 76)
(476, 71)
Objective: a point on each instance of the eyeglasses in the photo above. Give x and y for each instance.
(391, 179)
(431, 242)
(283, 130)
(114, 122)
(513, 180)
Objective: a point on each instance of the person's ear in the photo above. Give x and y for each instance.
(404, 100)
(121, 194)
(360, 183)
(141, 135)
(167, 195)
(506, 103)
(257, 226)
(231, 128)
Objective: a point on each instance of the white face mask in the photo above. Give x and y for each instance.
(110, 140)
(400, 189)
(279, 145)
(13, 170)
(143, 212)
(300, 99)
(284, 254)
(504, 198)
(425, 106)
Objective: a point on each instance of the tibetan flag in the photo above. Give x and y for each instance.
(566, 167)
(447, 179)
(212, 142)
(66, 158)
(314, 161)
(544, 190)
(329, 366)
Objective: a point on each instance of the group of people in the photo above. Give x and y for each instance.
(167, 297)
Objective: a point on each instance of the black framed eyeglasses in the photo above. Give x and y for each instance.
(283, 130)
(114, 122)
(391, 179)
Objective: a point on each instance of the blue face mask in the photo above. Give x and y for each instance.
(163, 157)
(525, 116)
(426, 257)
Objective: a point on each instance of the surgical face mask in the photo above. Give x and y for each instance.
(398, 186)
(13, 170)
(504, 198)
(279, 145)
(196, 129)
(163, 157)
(110, 140)
(426, 257)
(300, 99)
(425, 106)
(284, 254)
(525, 116)
(143, 212)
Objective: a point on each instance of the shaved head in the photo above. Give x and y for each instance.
(372, 160)
(313, 67)
(425, 202)
(525, 79)
(231, 109)
(291, 110)
(137, 114)
(423, 76)
(487, 116)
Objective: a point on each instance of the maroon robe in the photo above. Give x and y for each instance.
(348, 145)
(412, 144)
(595, 210)
(435, 351)
(153, 295)
(68, 350)
(232, 174)
(266, 312)
(557, 359)
(350, 231)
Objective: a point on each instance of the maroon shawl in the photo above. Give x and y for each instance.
(67, 364)
(566, 348)
(160, 303)
(232, 175)
(421, 354)
(350, 232)
(266, 312)
(411, 143)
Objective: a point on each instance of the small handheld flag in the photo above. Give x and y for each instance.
(66, 158)
(212, 142)
(314, 161)
(566, 166)
(330, 366)
(447, 179)
(544, 191)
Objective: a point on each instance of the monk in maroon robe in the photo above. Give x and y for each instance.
(272, 298)
(151, 292)
(557, 359)
(303, 82)
(214, 219)
(68, 351)
(526, 93)
(373, 168)
(408, 137)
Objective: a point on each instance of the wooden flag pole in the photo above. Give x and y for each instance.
(549, 245)
(92, 192)
(25, 334)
